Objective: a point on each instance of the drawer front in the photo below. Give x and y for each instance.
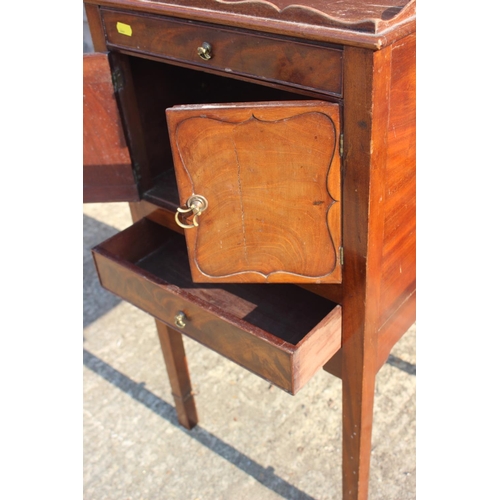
(287, 62)
(254, 326)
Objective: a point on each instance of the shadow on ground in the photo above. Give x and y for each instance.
(96, 300)
(139, 393)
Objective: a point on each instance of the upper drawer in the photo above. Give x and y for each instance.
(289, 62)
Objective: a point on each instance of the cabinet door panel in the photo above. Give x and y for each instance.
(107, 167)
(270, 173)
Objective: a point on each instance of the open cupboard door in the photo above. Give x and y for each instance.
(260, 190)
(107, 167)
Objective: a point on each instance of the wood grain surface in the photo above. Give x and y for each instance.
(107, 167)
(172, 348)
(354, 22)
(233, 52)
(280, 332)
(274, 331)
(398, 259)
(271, 175)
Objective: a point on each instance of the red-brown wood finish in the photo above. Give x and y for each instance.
(273, 60)
(107, 172)
(369, 70)
(174, 355)
(378, 103)
(172, 347)
(271, 175)
(132, 115)
(162, 216)
(359, 341)
(359, 15)
(282, 334)
(396, 198)
(394, 328)
(358, 23)
(95, 27)
(398, 259)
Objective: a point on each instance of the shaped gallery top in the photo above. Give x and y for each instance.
(364, 23)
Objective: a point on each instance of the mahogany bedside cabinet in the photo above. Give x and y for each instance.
(267, 150)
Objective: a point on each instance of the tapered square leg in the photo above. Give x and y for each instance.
(357, 419)
(174, 355)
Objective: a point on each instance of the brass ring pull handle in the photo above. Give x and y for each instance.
(186, 226)
(196, 204)
(205, 51)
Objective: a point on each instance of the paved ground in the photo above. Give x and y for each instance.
(253, 441)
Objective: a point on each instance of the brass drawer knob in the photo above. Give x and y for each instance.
(205, 51)
(180, 319)
(196, 204)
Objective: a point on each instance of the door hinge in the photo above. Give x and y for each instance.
(117, 78)
(341, 146)
(341, 254)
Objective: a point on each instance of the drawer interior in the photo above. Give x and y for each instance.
(285, 311)
(281, 332)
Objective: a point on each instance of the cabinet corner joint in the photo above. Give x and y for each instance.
(117, 78)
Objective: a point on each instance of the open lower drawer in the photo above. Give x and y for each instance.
(280, 332)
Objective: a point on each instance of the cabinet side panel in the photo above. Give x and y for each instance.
(398, 274)
(107, 167)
